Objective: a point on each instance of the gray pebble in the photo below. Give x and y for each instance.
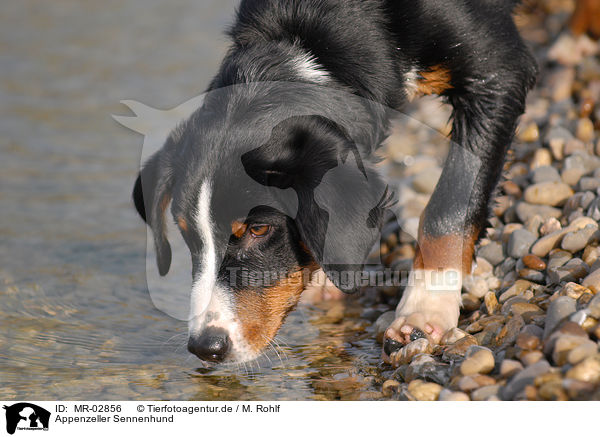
(492, 253)
(588, 184)
(558, 310)
(544, 174)
(523, 378)
(575, 241)
(572, 271)
(519, 243)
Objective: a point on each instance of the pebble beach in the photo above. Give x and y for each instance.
(530, 322)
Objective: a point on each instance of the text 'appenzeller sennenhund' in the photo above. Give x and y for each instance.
(276, 171)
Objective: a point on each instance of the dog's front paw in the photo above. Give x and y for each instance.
(424, 312)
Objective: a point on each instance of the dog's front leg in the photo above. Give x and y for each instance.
(487, 102)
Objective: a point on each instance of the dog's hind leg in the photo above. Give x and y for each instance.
(486, 81)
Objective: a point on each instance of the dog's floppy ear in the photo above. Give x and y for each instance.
(340, 198)
(151, 196)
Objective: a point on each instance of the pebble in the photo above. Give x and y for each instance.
(587, 371)
(458, 349)
(545, 174)
(522, 379)
(508, 368)
(492, 252)
(518, 288)
(585, 130)
(573, 270)
(541, 158)
(520, 242)
(478, 360)
(449, 395)
(548, 193)
(525, 211)
(491, 302)
(531, 357)
(548, 242)
(424, 391)
(534, 262)
(390, 387)
(550, 225)
(485, 393)
(469, 383)
(530, 133)
(528, 341)
(405, 355)
(452, 336)
(559, 309)
(564, 345)
(577, 240)
(588, 184)
(592, 281)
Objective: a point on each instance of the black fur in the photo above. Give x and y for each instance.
(264, 124)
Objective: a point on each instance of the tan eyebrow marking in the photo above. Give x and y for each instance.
(238, 228)
(182, 224)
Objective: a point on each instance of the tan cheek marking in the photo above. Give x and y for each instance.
(436, 80)
(182, 224)
(238, 228)
(262, 314)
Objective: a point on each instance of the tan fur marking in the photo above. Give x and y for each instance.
(182, 224)
(435, 80)
(238, 228)
(261, 314)
(446, 252)
(586, 18)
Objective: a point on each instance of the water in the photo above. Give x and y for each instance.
(76, 319)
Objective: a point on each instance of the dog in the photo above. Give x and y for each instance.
(277, 170)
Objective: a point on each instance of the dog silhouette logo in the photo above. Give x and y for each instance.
(26, 416)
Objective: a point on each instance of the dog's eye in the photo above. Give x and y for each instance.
(259, 230)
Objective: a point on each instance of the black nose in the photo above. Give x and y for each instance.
(210, 345)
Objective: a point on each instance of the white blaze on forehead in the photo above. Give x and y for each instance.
(211, 303)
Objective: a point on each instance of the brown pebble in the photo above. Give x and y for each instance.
(491, 302)
(528, 341)
(511, 189)
(530, 393)
(534, 262)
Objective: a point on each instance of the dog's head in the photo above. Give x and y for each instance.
(261, 207)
